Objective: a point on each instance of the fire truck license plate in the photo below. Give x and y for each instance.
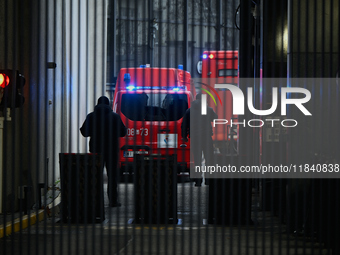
(129, 154)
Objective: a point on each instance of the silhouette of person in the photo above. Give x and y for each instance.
(104, 127)
(200, 133)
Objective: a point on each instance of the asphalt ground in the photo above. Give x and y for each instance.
(117, 234)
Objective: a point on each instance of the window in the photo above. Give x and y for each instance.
(154, 106)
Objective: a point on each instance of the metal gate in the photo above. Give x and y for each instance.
(217, 132)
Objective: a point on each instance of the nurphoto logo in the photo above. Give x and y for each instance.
(238, 104)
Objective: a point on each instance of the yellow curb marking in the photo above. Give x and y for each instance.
(22, 223)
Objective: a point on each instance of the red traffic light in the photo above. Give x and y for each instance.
(4, 80)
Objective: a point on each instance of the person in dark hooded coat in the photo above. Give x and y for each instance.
(200, 132)
(104, 127)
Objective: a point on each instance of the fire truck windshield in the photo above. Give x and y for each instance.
(154, 106)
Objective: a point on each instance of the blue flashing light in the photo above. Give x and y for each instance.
(205, 56)
(180, 67)
(127, 77)
(142, 66)
(136, 88)
(130, 87)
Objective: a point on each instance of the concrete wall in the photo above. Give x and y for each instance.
(71, 34)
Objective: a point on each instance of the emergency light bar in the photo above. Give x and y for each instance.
(205, 56)
(175, 89)
(131, 87)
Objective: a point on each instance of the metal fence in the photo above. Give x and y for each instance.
(259, 177)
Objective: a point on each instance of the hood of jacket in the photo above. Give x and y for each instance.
(103, 108)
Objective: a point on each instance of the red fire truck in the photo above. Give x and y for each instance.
(152, 103)
(221, 67)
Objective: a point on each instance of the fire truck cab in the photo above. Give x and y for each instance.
(152, 102)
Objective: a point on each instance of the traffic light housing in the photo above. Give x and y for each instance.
(11, 84)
